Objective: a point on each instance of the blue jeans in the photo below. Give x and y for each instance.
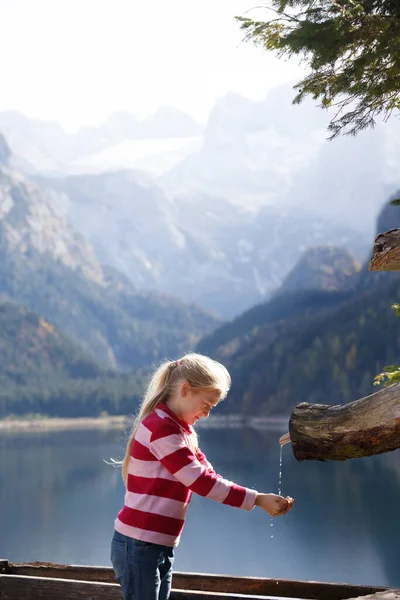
(143, 570)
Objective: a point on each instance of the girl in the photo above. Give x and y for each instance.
(163, 465)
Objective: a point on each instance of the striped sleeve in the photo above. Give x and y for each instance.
(203, 460)
(169, 446)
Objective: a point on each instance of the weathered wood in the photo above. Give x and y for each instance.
(364, 427)
(55, 570)
(386, 252)
(266, 587)
(19, 587)
(391, 594)
(23, 587)
(207, 582)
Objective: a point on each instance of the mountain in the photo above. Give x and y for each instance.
(46, 147)
(348, 178)
(169, 122)
(389, 216)
(243, 157)
(5, 152)
(322, 267)
(311, 345)
(204, 249)
(153, 145)
(32, 350)
(42, 372)
(152, 156)
(40, 145)
(328, 358)
(275, 153)
(49, 268)
(323, 278)
(229, 337)
(252, 153)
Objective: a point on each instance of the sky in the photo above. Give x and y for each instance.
(77, 61)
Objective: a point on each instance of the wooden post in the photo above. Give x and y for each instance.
(386, 252)
(43, 578)
(364, 427)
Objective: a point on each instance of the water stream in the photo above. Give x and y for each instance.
(279, 484)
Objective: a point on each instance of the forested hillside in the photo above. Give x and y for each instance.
(49, 268)
(327, 358)
(42, 371)
(316, 345)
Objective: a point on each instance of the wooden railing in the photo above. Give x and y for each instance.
(51, 581)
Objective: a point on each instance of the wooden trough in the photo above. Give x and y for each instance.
(50, 581)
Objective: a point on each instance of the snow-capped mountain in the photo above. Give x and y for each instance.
(251, 153)
(49, 149)
(203, 249)
(217, 215)
(273, 152)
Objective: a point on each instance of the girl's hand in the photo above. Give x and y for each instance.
(274, 505)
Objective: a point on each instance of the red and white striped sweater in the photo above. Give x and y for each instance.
(163, 473)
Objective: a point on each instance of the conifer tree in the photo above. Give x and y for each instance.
(352, 48)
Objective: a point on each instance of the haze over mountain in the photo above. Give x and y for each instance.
(49, 268)
(204, 249)
(220, 215)
(315, 344)
(48, 148)
(250, 153)
(322, 267)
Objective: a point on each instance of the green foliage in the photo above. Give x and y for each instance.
(326, 355)
(42, 371)
(283, 307)
(110, 393)
(352, 48)
(115, 324)
(391, 373)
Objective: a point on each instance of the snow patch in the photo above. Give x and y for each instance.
(155, 156)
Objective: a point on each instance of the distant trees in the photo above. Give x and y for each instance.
(114, 395)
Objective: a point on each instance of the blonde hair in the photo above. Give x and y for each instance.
(199, 371)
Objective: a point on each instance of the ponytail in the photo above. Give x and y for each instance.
(157, 392)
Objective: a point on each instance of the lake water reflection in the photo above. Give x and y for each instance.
(59, 499)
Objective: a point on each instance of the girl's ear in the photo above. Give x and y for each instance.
(185, 389)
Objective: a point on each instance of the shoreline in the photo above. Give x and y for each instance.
(62, 423)
(273, 423)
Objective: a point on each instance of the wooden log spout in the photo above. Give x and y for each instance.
(368, 426)
(386, 252)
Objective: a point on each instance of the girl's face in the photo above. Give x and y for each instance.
(196, 404)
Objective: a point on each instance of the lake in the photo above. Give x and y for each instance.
(59, 500)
